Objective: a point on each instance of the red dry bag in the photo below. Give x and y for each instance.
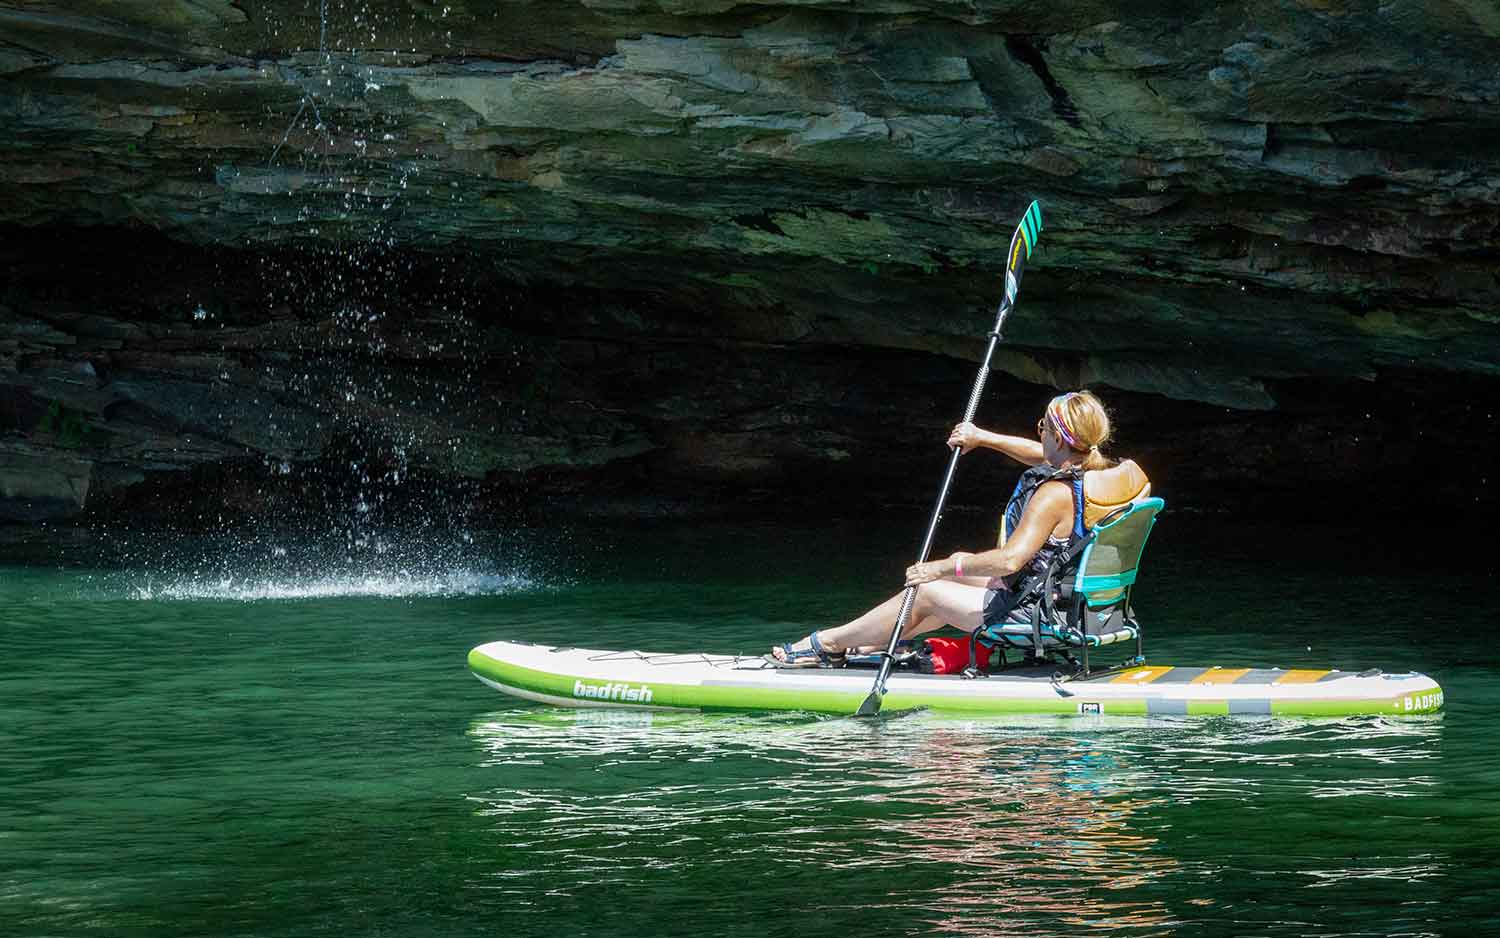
(951, 655)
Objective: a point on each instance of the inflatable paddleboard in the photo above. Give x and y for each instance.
(581, 677)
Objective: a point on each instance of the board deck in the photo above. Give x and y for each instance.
(580, 677)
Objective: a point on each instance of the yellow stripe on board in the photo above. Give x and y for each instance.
(1217, 675)
(1143, 675)
(1027, 238)
(1300, 676)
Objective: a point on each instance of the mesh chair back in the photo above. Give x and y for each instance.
(1109, 564)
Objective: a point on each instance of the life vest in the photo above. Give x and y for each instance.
(1096, 494)
(1031, 480)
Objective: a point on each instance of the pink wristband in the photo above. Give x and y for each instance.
(958, 566)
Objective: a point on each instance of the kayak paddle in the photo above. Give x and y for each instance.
(1021, 244)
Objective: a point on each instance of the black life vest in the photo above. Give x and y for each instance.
(1031, 480)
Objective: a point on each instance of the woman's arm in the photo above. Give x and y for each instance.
(1048, 509)
(1024, 451)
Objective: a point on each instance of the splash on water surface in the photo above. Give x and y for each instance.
(231, 568)
(397, 585)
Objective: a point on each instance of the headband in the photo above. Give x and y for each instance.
(1059, 417)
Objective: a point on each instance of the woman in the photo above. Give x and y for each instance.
(1047, 510)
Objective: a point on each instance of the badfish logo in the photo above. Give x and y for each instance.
(623, 692)
(1422, 702)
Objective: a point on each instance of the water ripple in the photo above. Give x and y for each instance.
(986, 827)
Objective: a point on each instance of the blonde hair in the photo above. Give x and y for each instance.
(1083, 424)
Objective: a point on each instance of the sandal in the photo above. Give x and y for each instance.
(815, 656)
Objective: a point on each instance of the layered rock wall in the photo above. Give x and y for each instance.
(1243, 202)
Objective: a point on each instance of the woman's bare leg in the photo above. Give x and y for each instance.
(913, 629)
(942, 602)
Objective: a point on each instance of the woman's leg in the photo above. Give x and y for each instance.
(939, 603)
(914, 627)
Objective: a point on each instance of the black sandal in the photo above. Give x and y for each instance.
(814, 656)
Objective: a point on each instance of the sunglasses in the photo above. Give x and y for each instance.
(1041, 427)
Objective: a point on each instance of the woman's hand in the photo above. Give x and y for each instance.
(919, 573)
(965, 435)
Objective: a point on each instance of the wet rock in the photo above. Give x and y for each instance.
(1238, 198)
(38, 483)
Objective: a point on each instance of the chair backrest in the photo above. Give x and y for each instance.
(1109, 563)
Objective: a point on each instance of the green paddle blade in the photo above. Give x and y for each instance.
(1030, 228)
(1022, 243)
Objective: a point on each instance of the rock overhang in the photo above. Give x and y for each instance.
(1234, 198)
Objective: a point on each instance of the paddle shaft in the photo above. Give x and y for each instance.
(909, 596)
(1027, 232)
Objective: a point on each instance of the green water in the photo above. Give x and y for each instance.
(200, 754)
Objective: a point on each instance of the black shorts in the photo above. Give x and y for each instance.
(1000, 607)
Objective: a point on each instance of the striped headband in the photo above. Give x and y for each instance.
(1059, 417)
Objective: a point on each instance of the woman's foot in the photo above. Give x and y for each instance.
(808, 653)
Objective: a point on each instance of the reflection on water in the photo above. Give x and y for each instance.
(1037, 824)
(992, 827)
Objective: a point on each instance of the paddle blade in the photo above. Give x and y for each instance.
(871, 705)
(1022, 243)
(1030, 228)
